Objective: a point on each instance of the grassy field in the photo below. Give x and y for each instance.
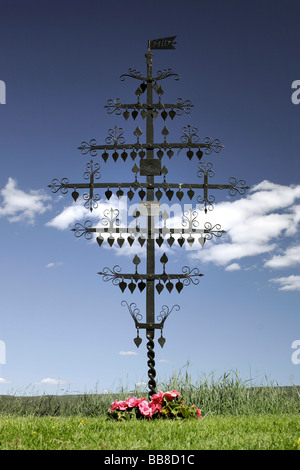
(214, 432)
(236, 416)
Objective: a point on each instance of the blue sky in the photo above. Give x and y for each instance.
(63, 328)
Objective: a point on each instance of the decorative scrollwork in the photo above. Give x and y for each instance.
(214, 145)
(189, 219)
(183, 106)
(92, 169)
(192, 276)
(112, 274)
(110, 217)
(165, 312)
(206, 203)
(237, 186)
(190, 135)
(133, 310)
(132, 73)
(114, 106)
(161, 74)
(91, 202)
(84, 229)
(211, 231)
(59, 185)
(87, 147)
(205, 169)
(115, 136)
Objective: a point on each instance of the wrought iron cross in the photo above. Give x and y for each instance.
(150, 192)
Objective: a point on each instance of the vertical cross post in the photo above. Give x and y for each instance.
(150, 304)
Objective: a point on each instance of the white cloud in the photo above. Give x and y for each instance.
(141, 384)
(291, 257)
(68, 216)
(20, 206)
(49, 381)
(233, 267)
(288, 283)
(255, 224)
(4, 381)
(54, 265)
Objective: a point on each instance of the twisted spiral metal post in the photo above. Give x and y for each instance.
(151, 365)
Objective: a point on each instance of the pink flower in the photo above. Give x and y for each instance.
(155, 407)
(171, 395)
(158, 398)
(114, 406)
(145, 409)
(118, 405)
(198, 411)
(132, 402)
(122, 405)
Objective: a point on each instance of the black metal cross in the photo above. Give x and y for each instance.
(150, 192)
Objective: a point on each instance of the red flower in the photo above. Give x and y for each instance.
(158, 398)
(145, 409)
(133, 401)
(171, 395)
(118, 405)
(155, 407)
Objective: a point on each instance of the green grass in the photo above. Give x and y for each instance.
(215, 432)
(236, 415)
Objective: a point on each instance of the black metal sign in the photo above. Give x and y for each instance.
(162, 43)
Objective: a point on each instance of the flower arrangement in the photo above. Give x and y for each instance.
(162, 405)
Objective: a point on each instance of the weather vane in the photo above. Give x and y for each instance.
(150, 185)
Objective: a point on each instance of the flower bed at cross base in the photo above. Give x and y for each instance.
(162, 405)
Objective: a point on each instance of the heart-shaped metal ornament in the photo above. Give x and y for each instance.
(100, 240)
(179, 286)
(75, 195)
(180, 194)
(110, 240)
(105, 156)
(161, 341)
(120, 241)
(160, 154)
(137, 341)
(126, 114)
(189, 154)
(169, 286)
(172, 114)
(122, 285)
(159, 240)
(181, 241)
(130, 240)
(130, 194)
(141, 285)
(131, 286)
(159, 287)
(158, 194)
(108, 194)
